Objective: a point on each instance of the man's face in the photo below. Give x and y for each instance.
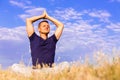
(44, 28)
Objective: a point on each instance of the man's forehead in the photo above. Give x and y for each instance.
(44, 23)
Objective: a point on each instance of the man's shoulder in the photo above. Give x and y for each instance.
(33, 36)
(53, 37)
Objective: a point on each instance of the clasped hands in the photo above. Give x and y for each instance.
(45, 15)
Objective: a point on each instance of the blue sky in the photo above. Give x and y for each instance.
(90, 26)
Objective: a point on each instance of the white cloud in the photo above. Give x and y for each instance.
(101, 14)
(72, 14)
(31, 12)
(68, 14)
(114, 26)
(80, 32)
(92, 39)
(16, 34)
(21, 4)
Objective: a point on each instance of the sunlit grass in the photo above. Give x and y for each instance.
(104, 68)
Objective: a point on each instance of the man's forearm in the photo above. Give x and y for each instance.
(56, 22)
(35, 18)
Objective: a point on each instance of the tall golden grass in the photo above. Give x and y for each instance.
(104, 67)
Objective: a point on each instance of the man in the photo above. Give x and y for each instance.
(42, 47)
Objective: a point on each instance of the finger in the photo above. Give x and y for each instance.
(45, 11)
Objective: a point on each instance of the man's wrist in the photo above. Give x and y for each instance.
(41, 16)
(48, 17)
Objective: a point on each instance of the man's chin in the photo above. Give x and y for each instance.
(46, 33)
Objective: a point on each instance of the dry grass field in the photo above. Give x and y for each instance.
(104, 68)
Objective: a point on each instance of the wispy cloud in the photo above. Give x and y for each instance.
(88, 15)
(83, 32)
(21, 4)
(16, 34)
(31, 12)
(68, 14)
(80, 37)
(101, 14)
(114, 26)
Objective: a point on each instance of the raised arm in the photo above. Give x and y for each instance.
(58, 24)
(29, 23)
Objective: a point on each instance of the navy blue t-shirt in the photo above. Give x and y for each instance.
(42, 51)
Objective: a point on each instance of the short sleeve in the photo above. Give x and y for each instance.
(54, 38)
(32, 36)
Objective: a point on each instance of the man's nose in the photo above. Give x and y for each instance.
(47, 26)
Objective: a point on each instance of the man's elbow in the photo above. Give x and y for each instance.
(28, 20)
(61, 25)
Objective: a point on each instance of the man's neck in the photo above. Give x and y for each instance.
(44, 36)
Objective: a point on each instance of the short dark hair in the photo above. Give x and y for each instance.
(42, 21)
